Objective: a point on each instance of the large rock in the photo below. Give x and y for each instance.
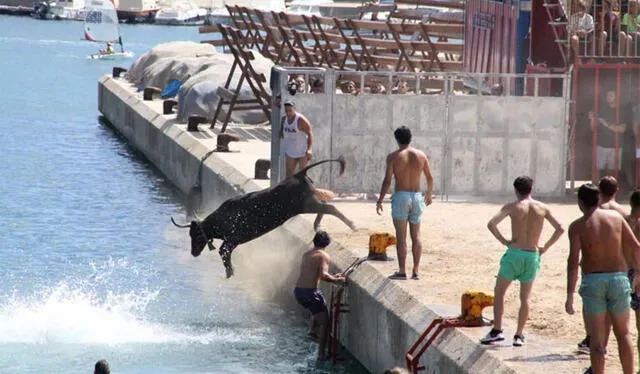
(165, 69)
(198, 94)
(172, 49)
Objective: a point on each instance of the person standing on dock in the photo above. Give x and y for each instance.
(521, 261)
(406, 165)
(297, 138)
(313, 269)
(606, 244)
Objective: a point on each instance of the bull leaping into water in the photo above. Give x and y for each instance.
(244, 218)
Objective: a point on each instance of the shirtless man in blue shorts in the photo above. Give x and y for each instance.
(407, 165)
(521, 261)
(602, 243)
(313, 269)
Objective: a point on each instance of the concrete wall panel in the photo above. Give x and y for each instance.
(475, 144)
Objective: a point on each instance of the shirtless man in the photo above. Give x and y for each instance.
(606, 244)
(608, 187)
(314, 268)
(407, 165)
(297, 138)
(633, 220)
(521, 261)
(608, 191)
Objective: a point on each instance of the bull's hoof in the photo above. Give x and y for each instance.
(353, 227)
(229, 271)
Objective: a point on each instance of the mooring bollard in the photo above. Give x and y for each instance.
(167, 106)
(148, 93)
(223, 140)
(117, 70)
(262, 168)
(194, 121)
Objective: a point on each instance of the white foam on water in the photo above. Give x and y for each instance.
(75, 312)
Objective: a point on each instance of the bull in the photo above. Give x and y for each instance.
(244, 218)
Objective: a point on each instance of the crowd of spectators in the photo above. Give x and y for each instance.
(604, 27)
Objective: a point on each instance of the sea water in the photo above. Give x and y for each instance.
(90, 267)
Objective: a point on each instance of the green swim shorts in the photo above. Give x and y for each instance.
(517, 264)
(602, 292)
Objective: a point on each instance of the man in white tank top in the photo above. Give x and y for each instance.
(297, 138)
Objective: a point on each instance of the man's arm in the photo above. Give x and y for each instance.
(615, 128)
(325, 271)
(631, 245)
(493, 225)
(386, 182)
(573, 263)
(305, 127)
(559, 230)
(427, 174)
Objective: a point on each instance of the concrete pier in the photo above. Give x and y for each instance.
(386, 316)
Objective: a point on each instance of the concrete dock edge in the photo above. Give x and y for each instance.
(385, 320)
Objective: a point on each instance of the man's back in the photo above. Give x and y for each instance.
(600, 236)
(614, 206)
(311, 269)
(408, 165)
(527, 218)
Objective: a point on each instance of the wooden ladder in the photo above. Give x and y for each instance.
(558, 22)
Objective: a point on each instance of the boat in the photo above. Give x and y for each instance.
(135, 11)
(182, 12)
(101, 26)
(306, 7)
(59, 10)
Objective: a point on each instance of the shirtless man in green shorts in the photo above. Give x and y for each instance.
(521, 261)
(608, 187)
(606, 244)
(634, 222)
(406, 165)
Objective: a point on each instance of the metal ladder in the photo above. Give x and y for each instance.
(558, 22)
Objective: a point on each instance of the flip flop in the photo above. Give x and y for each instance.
(398, 275)
(415, 276)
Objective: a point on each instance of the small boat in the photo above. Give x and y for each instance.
(181, 12)
(101, 26)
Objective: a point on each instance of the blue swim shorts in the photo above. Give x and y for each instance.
(602, 292)
(407, 205)
(310, 298)
(517, 264)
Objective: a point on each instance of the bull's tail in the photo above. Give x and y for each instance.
(340, 160)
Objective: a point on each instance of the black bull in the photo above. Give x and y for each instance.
(244, 218)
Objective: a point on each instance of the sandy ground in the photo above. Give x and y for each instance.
(460, 253)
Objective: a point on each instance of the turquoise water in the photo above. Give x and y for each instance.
(90, 266)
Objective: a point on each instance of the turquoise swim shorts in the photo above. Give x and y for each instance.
(406, 205)
(520, 265)
(602, 292)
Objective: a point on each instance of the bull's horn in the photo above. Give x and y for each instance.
(181, 226)
(195, 214)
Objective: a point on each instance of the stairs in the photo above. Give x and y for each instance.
(558, 23)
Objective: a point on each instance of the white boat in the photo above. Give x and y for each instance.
(101, 26)
(111, 56)
(306, 7)
(181, 12)
(133, 11)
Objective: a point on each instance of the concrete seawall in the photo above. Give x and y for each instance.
(385, 318)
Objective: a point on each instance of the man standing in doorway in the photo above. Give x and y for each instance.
(406, 165)
(521, 261)
(297, 138)
(607, 128)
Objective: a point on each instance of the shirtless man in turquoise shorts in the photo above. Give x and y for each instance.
(606, 244)
(407, 165)
(521, 261)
